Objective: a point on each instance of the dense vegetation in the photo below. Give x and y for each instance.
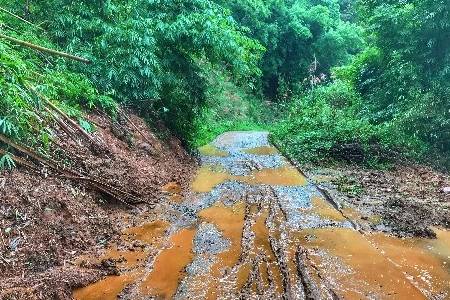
(359, 80)
(394, 94)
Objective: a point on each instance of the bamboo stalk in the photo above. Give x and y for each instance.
(8, 27)
(20, 18)
(69, 173)
(63, 126)
(43, 49)
(28, 152)
(65, 117)
(97, 185)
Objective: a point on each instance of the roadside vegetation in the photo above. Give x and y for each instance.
(353, 80)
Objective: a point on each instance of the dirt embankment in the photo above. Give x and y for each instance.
(46, 221)
(408, 200)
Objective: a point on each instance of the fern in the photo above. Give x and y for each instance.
(7, 163)
(7, 127)
(86, 125)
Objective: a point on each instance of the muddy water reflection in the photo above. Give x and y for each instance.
(146, 233)
(262, 245)
(426, 263)
(230, 220)
(210, 150)
(379, 266)
(325, 210)
(106, 289)
(130, 262)
(264, 150)
(360, 271)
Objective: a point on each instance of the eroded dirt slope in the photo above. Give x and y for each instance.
(46, 222)
(408, 199)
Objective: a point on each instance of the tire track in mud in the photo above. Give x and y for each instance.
(255, 228)
(250, 171)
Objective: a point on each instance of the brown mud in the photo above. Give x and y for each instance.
(268, 234)
(251, 226)
(407, 200)
(47, 222)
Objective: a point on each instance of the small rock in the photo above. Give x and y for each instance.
(446, 190)
(146, 147)
(14, 244)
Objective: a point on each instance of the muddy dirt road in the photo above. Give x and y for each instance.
(253, 227)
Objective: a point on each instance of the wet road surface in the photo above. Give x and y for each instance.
(254, 227)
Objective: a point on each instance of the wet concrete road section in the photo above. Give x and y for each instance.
(253, 227)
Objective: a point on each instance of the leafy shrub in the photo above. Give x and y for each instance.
(22, 116)
(403, 78)
(325, 124)
(148, 54)
(295, 33)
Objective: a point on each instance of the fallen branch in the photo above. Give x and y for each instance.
(63, 126)
(116, 193)
(29, 152)
(43, 49)
(66, 173)
(66, 118)
(32, 166)
(20, 18)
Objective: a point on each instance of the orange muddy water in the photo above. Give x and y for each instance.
(208, 178)
(253, 227)
(168, 267)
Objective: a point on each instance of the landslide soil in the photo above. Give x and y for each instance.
(408, 200)
(46, 222)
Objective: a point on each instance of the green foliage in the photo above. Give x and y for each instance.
(6, 162)
(148, 54)
(228, 107)
(404, 77)
(392, 98)
(296, 33)
(328, 124)
(348, 186)
(319, 121)
(22, 113)
(362, 80)
(7, 127)
(88, 127)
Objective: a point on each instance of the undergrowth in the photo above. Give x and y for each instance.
(327, 124)
(27, 79)
(228, 107)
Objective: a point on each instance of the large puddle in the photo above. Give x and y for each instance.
(209, 177)
(245, 248)
(169, 266)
